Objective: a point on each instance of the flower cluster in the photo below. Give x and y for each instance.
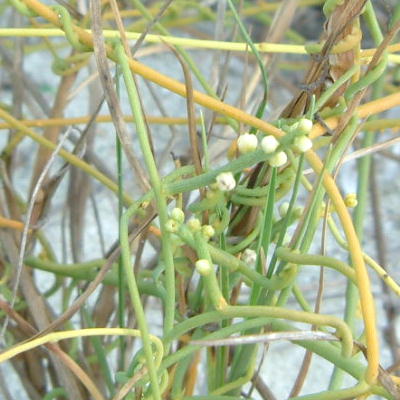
(248, 142)
(177, 218)
(301, 129)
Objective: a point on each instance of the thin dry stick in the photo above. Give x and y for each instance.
(281, 22)
(371, 149)
(149, 26)
(99, 225)
(111, 95)
(52, 133)
(27, 82)
(125, 44)
(292, 336)
(389, 155)
(79, 185)
(194, 142)
(262, 388)
(375, 148)
(91, 79)
(24, 239)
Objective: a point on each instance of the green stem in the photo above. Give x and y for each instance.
(311, 259)
(88, 270)
(156, 183)
(343, 394)
(136, 301)
(121, 284)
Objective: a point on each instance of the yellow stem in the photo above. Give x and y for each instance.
(40, 123)
(363, 283)
(365, 110)
(262, 47)
(57, 336)
(382, 273)
(11, 223)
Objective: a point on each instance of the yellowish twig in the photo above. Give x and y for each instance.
(363, 282)
(57, 336)
(262, 47)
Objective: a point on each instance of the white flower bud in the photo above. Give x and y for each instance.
(203, 267)
(178, 215)
(194, 224)
(278, 159)
(208, 231)
(226, 181)
(269, 144)
(283, 209)
(171, 226)
(303, 143)
(249, 256)
(247, 143)
(304, 126)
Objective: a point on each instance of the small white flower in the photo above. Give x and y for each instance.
(208, 231)
(203, 267)
(178, 215)
(194, 224)
(249, 256)
(278, 159)
(304, 126)
(171, 226)
(247, 143)
(303, 143)
(283, 209)
(226, 181)
(269, 144)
